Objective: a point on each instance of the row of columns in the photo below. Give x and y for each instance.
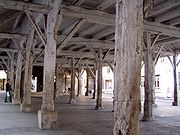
(128, 53)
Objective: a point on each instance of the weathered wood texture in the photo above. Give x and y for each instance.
(175, 102)
(60, 82)
(28, 68)
(128, 56)
(50, 58)
(149, 78)
(16, 99)
(72, 92)
(87, 83)
(99, 82)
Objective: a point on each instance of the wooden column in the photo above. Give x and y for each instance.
(99, 82)
(3, 83)
(94, 92)
(26, 104)
(16, 99)
(59, 82)
(149, 79)
(128, 56)
(11, 73)
(175, 102)
(80, 80)
(87, 84)
(72, 92)
(47, 116)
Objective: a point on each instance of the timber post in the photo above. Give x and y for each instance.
(47, 116)
(72, 92)
(17, 99)
(128, 56)
(26, 105)
(99, 82)
(175, 102)
(149, 79)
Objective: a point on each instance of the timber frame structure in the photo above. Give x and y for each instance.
(77, 34)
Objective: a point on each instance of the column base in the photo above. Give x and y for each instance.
(72, 101)
(174, 104)
(25, 107)
(147, 118)
(47, 119)
(16, 101)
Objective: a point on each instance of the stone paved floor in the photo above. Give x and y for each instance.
(82, 119)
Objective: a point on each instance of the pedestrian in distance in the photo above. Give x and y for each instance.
(8, 91)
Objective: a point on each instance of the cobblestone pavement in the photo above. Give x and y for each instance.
(82, 119)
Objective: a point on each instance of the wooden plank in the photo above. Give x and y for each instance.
(36, 27)
(105, 4)
(17, 5)
(163, 7)
(68, 38)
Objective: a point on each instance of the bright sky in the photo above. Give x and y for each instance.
(2, 74)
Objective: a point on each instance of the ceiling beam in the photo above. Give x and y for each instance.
(17, 5)
(92, 16)
(71, 34)
(162, 29)
(11, 17)
(105, 4)
(90, 30)
(163, 7)
(105, 32)
(168, 15)
(78, 2)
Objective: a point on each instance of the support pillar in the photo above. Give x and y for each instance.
(72, 92)
(11, 73)
(149, 79)
(16, 99)
(59, 82)
(175, 102)
(47, 116)
(87, 84)
(128, 56)
(80, 81)
(99, 82)
(94, 92)
(26, 105)
(3, 84)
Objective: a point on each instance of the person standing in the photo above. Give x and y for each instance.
(8, 90)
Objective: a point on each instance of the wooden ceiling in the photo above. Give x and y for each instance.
(86, 26)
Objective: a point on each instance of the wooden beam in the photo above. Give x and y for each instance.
(105, 32)
(105, 4)
(169, 15)
(154, 41)
(78, 2)
(92, 73)
(174, 21)
(36, 27)
(6, 19)
(12, 35)
(163, 7)
(158, 54)
(111, 67)
(90, 29)
(69, 28)
(5, 64)
(106, 53)
(19, 46)
(17, 5)
(162, 29)
(92, 16)
(68, 38)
